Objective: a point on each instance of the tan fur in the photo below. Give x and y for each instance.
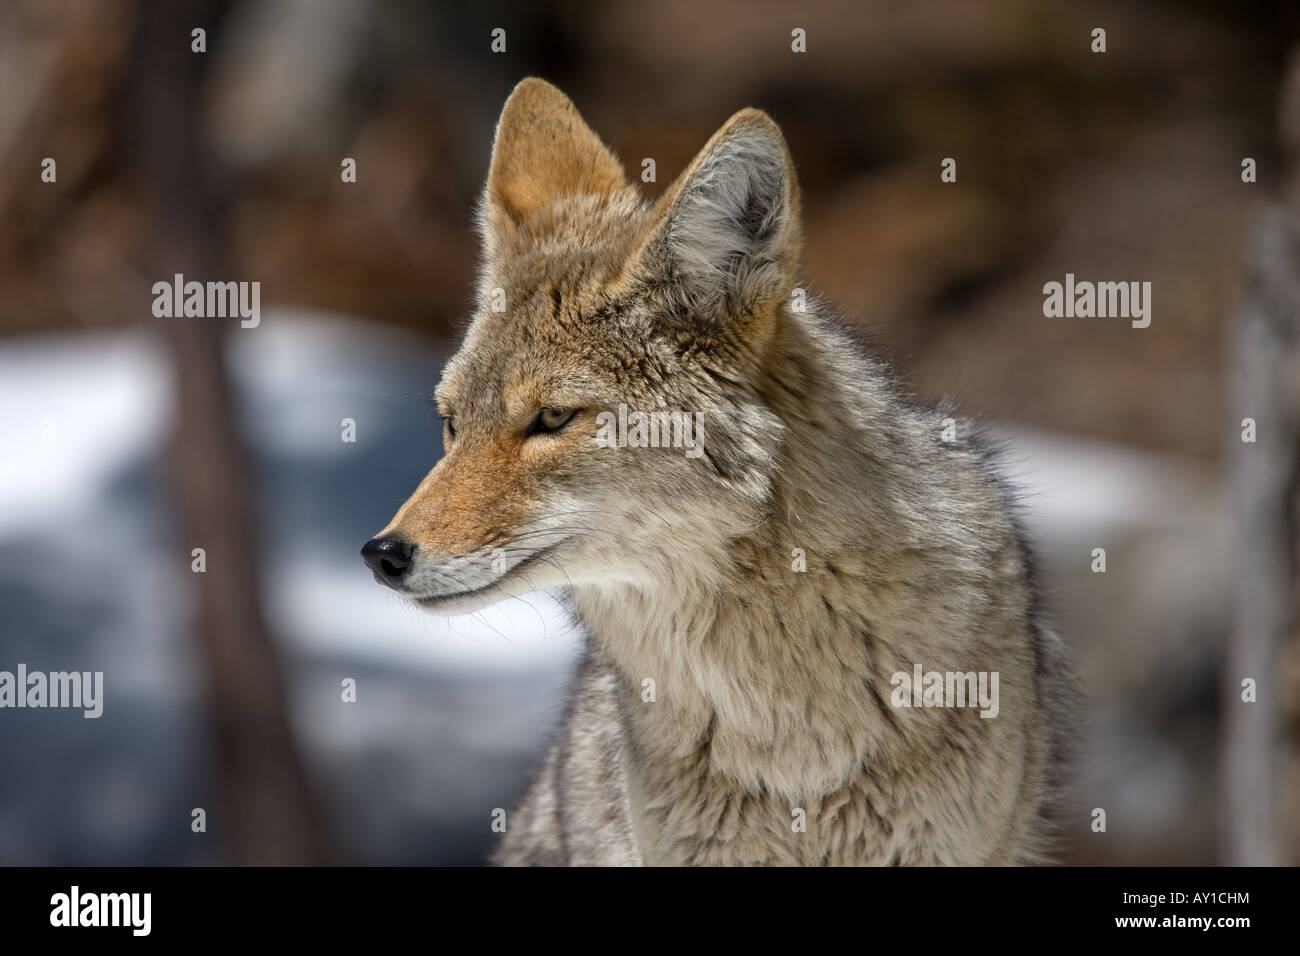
(773, 686)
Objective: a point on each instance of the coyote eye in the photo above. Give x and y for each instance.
(550, 420)
(451, 425)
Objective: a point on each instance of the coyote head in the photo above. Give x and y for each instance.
(603, 323)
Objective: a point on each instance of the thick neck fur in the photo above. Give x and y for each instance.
(774, 680)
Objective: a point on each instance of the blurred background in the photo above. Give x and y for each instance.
(126, 440)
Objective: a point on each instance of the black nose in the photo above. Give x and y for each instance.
(388, 558)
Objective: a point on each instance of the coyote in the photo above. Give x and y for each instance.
(749, 610)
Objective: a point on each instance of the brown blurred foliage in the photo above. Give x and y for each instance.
(1123, 165)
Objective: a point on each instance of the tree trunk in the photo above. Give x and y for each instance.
(1263, 476)
(263, 805)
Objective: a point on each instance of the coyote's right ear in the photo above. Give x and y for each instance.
(726, 239)
(543, 150)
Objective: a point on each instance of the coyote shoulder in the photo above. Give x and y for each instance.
(793, 632)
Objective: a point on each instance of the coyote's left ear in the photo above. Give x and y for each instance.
(542, 151)
(726, 237)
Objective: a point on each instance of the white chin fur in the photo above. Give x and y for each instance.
(468, 603)
(525, 577)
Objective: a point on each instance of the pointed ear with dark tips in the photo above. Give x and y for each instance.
(726, 238)
(542, 151)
